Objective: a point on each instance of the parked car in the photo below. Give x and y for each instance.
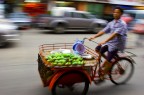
(23, 20)
(8, 32)
(37, 19)
(134, 18)
(138, 27)
(74, 20)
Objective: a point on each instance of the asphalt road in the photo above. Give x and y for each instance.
(19, 74)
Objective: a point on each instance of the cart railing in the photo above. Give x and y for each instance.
(45, 49)
(49, 47)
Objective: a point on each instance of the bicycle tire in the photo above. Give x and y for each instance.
(121, 71)
(65, 92)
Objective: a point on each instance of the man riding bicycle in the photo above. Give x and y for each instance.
(117, 29)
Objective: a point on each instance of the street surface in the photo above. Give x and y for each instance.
(18, 65)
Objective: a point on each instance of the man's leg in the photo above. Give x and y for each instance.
(97, 50)
(101, 53)
(101, 50)
(107, 63)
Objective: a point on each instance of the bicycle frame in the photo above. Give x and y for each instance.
(95, 73)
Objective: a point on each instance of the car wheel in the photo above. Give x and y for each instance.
(96, 28)
(2, 41)
(60, 28)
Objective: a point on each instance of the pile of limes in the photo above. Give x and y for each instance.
(63, 59)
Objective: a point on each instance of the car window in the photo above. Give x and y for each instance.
(76, 15)
(84, 16)
(140, 16)
(91, 16)
(79, 15)
(137, 14)
(68, 14)
(16, 15)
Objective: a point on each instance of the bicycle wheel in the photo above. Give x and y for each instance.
(121, 71)
(71, 83)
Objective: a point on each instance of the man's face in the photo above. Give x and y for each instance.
(117, 14)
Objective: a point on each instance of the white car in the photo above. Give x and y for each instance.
(21, 19)
(8, 32)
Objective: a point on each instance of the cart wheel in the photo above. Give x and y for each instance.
(71, 83)
(2, 41)
(121, 71)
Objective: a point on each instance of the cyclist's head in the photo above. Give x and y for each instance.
(117, 13)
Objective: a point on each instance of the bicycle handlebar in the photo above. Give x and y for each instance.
(94, 41)
(89, 40)
(132, 54)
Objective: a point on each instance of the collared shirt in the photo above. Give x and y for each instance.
(119, 27)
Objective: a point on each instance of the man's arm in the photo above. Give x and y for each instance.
(113, 35)
(106, 29)
(118, 31)
(97, 35)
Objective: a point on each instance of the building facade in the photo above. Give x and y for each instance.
(100, 8)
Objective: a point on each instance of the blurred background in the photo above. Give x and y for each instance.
(91, 15)
(26, 24)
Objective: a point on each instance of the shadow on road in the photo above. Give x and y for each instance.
(9, 45)
(112, 90)
(102, 90)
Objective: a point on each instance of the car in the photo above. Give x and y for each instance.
(8, 32)
(37, 19)
(134, 18)
(72, 20)
(22, 19)
(138, 28)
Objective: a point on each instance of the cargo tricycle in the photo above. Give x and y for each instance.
(74, 79)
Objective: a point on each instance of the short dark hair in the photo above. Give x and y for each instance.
(119, 9)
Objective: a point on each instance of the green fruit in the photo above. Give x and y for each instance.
(54, 63)
(66, 55)
(80, 63)
(50, 60)
(68, 63)
(74, 63)
(64, 59)
(57, 58)
(60, 64)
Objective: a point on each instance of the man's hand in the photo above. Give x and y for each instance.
(91, 38)
(96, 35)
(103, 42)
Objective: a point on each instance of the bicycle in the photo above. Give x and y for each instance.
(117, 63)
(76, 78)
